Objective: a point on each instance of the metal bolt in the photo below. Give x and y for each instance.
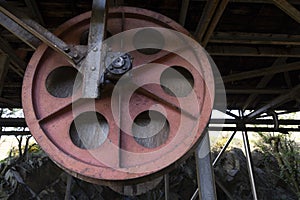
(95, 49)
(75, 55)
(67, 49)
(93, 68)
(112, 56)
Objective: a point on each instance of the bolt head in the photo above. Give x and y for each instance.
(75, 55)
(95, 49)
(67, 49)
(93, 68)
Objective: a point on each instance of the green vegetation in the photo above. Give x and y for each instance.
(287, 153)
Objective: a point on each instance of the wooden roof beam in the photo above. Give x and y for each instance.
(254, 38)
(263, 83)
(4, 64)
(183, 11)
(212, 13)
(261, 72)
(10, 103)
(294, 2)
(256, 91)
(33, 7)
(256, 51)
(288, 8)
(218, 14)
(207, 15)
(274, 103)
(18, 64)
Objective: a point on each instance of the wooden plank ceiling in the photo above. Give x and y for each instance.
(255, 44)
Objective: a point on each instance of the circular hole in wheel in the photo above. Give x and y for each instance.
(62, 82)
(89, 130)
(177, 81)
(150, 129)
(148, 41)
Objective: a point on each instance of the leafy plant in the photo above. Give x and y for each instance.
(287, 153)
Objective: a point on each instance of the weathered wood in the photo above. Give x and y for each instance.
(263, 83)
(183, 11)
(294, 2)
(10, 102)
(219, 12)
(205, 19)
(7, 49)
(254, 38)
(33, 7)
(256, 91)
(4, 64)
(262, 72)
(256, 51)
(289, 9)
(274, 103)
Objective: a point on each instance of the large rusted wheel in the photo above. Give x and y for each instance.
(100, 151)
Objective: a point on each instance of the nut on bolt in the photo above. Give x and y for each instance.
(67, 49)
(75, 55)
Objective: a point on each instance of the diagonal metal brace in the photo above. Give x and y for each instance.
(27, 26)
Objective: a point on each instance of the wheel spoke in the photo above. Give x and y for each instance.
(155, 97)
(59, 110)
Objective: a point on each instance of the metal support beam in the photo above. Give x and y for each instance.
(18, 31)
(20, 122)
(44, 35)
(4, 64)
(248, 129)
(254, 38)
(183, 11)
(249, 164)
(261, 72)
(256, 51)
(15, 133)
(12, 122)
(288, 8)
(263, 83)
(93, 66)
(254, 122)
(223, 149)
(167, 186)
(255, 129)
(205, 173)
(276, 102)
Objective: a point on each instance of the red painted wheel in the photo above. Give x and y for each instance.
(99, 151)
